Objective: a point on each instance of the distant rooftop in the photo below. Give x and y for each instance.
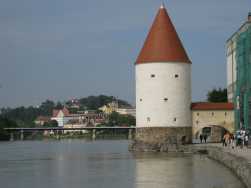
(212, 106)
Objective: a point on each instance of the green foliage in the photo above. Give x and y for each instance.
(59, 105)
(25, 116)
(73, 110)
(116, 119)
(5, 123)
(217, 95)
(46, 108)
(52, 123)
(95, 102)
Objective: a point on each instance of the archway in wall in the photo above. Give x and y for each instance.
(214, 133)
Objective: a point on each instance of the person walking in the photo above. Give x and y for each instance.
(238, 141)
(232, 141)
(227, 139)
(201, 138)
(205, 138)
(246, 140)
(242, 137)
(224, 140)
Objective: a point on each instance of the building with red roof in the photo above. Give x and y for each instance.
(212, 119)
(163, 85)
(163, 92)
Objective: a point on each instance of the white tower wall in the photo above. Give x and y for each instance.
(163, 95)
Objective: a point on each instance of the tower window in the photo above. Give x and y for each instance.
(176, 76)
(148, 119)
(212, 113)
(174, 119)
(225, 113)
(152, 75)
(197, 122)
(140, 100)
(198, 114)
(165, 99)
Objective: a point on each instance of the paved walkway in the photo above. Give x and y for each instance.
(245, 152)
(237, 159)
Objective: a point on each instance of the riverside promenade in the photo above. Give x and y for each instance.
(238, 160)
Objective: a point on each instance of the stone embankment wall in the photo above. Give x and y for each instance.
(161, 139)
(240, 165)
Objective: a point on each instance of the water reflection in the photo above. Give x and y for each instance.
(105, 164)
(182, 171)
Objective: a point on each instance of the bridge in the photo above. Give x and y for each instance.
(57, 129)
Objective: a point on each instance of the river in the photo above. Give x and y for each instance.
(105, 164)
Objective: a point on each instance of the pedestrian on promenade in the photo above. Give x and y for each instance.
(226, 139)
(205, 138)
(232, 141)
(238, 140)
(246, 140)
(201, 138)
(242, 138)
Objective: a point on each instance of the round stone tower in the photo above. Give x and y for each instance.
(163, 89)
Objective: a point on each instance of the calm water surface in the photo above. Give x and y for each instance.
(104, 164)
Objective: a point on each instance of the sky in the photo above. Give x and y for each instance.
(61, 49)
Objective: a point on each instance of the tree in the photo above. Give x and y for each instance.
(5, 123)
(116, 119)
(217, 95)
(52, 123)
(46, 108)
(24, 117)
(59, 105)
(95, 102)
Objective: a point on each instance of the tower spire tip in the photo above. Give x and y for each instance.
(162, 6)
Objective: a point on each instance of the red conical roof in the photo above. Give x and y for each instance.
(162, 43)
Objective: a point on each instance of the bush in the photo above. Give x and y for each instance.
(5, 123)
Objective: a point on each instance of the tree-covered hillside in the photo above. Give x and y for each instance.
(25, 116)
(95, 102)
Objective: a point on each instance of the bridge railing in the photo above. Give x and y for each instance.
(62, 128)
(57, 129)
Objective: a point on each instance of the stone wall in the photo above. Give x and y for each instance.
(216, 134)
(239, 165)
(161, 138)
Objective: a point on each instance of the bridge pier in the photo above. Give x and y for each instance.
(93, 134)
(11, 136)
(130, 136)
(22, 134)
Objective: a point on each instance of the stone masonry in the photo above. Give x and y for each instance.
(161, 138)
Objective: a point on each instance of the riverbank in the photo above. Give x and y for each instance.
(237, 160)
(78, 162)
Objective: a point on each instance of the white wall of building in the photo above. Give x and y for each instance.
(207, 118)
(126, 111)
(231, 61)
(162, 98)
(231, 68)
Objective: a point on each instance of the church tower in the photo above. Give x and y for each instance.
(163, 89)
